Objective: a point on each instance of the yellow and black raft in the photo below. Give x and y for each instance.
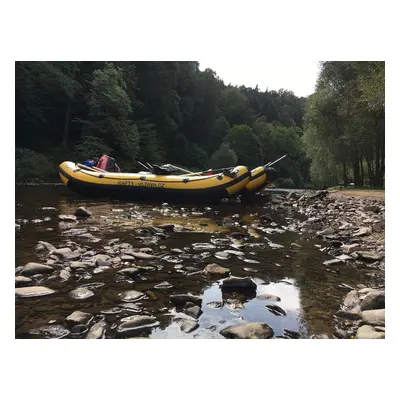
(192, 187)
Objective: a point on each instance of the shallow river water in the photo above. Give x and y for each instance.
(309, 292)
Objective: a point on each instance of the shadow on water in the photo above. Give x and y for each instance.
(309, 293)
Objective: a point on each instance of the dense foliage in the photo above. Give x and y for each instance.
(161, 112)
(345, 124)
(171, 112)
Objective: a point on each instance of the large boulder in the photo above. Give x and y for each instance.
(33, 291)
(369, 332)
(375, 299)
(373, 317)
(237, 283)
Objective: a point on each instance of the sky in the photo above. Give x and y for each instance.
(299, 77)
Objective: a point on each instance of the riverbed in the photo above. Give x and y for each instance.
(294, 293)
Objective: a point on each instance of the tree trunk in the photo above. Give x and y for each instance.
(361, 169)
(345, 179)
(356, 167)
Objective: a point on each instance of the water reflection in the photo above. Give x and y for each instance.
(309, 293)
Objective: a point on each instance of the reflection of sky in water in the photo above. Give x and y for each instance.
(215, 319)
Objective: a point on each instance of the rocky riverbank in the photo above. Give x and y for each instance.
(354, 231)
(116, 270)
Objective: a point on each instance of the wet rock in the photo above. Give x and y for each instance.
(112, 311)
(372, 208)
(334, 261)
(203, 246)
(65, 275)
(141, 255)
(78, 331)
(52, 331)
(21, 281)
(295, 246)
(97, 331)
(126, 257)
(79, 317)
(216, 270)
(352, 302)
(275, 245)
(375, 299)
(222, 255)
(102, 260)
(250, 330)
(326, 232)
(215, 304)
(182, 299)
(78, 264)
(250, 269)
(366, 255)
(236, 283)
(344, 257)
(132, 295)
(234, 304)
(131, 307)
(37, 221)
(365, 231)
(350, 248)
(220, 241)
(81, 293)
(235, 252)
(67, 218)
(348, 315)
(269, 297)
(33, 291)
(134, 323)
(66, 254)
(276, 310)
(289, 334)
(172, 259)
(194, 311)
(373, 317)
(89, 237)
(82, 212)
(187, 325)
(129, 271)
(33, 268)
(92, 285)
(163, 285)
(369, 332)
(44, 246)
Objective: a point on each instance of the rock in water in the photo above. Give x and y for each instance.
(250, 330)
(374, 317)
(66, 254)
(375, 299)
(128, 271)
(22, 281)
(194, 311)
(276, 310)
(141, 255)
(81, 293)
(136, 322)
(352, 302)
(79, 317)
(367, 255)
(215, 269)
(33, 268)
(369, 332)
(82, 212)
(269, 297)
(187, 325)
(236, 283)
(97, 331)
(182, 299)
(33, 291)
(132, 295)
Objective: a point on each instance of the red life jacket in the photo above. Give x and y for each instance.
(107, 163)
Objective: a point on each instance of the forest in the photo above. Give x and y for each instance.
(172, 112)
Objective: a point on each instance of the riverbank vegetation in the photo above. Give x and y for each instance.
(172, 112)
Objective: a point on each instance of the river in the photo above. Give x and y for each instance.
(309, 293)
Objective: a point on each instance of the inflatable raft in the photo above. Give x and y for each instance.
(195, 187)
